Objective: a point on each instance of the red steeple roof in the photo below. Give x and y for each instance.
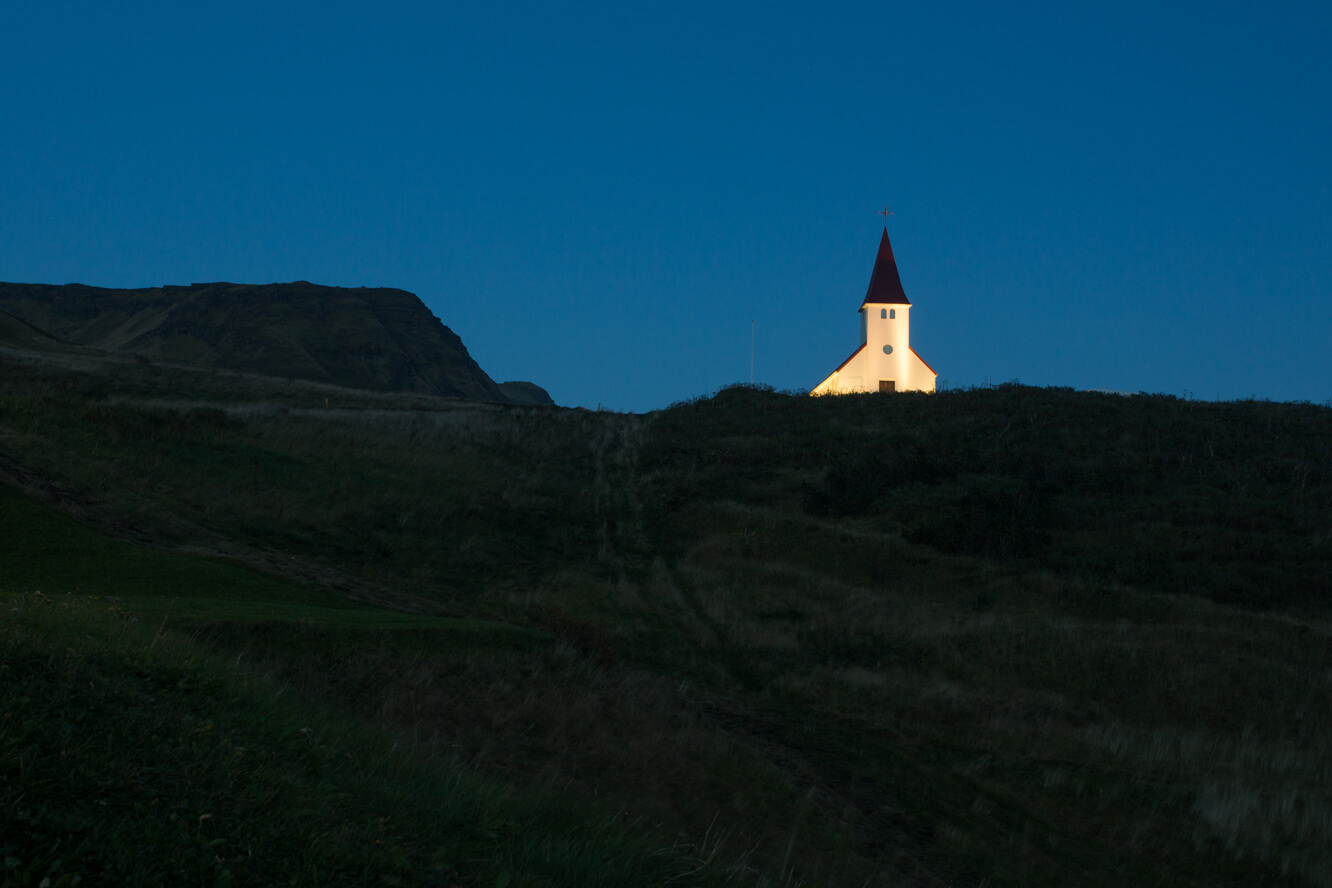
(885, 286)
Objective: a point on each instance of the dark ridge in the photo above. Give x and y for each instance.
(16, 332)
(526, 393)
(379, 339)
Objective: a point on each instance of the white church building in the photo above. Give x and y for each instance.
(885, 361)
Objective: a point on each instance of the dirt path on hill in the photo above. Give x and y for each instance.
(615, 497)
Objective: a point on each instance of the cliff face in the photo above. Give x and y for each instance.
(368, 338)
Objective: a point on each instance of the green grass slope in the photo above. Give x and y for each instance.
(1005, 637)
(130, 759)
(129, 755)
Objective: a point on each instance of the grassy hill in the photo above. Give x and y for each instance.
(369, 338)
(1007, 637)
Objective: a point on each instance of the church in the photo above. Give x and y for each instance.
(885, 361)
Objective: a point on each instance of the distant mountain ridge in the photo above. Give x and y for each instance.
(380, 339)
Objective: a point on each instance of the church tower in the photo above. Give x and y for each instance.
(885, 361)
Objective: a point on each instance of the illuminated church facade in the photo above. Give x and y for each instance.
(885, 361)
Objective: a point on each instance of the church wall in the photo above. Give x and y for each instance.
(894, 333)
(850, 377)
(921, 377)
(863, 371)
(853, 375)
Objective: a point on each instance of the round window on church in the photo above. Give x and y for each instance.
(887, 349)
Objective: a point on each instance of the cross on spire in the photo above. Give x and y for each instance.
(885, 213)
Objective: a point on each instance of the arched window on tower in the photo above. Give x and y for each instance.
(892, 313)
(883, 312)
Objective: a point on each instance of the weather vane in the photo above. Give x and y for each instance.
(885, 213)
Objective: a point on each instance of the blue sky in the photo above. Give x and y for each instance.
(601, 197)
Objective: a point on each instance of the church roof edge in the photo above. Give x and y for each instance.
(842, 365)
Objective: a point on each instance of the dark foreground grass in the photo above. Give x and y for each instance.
(131, 758)
(1001, 637)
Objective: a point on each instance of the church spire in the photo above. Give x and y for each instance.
(885, 286)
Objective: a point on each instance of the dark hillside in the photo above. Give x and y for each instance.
(378, 339)
(1228, 500)
(1005, 637)
(19, 334)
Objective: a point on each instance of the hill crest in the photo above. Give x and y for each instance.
(375, 338)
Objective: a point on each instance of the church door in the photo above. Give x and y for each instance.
(887, 385)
